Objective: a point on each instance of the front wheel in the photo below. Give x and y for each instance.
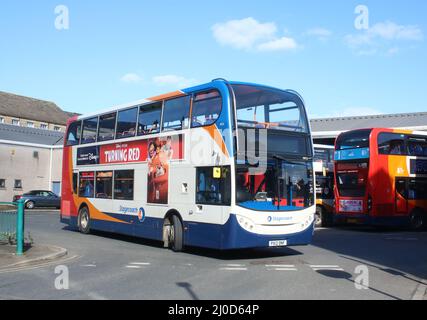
(318, 221)
(83, 220)
(417, 220)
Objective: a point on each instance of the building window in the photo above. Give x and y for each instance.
(107, 127)
(176, 114)
(16, 122)
(1, 120)
(18, 184)
(90, 127)
(30, 124)
(206, 109)
(123, 184)
(73, 136)
(86, 185)
(44, 126)
(2, 183)
(126, 123)
(213, 186)
(104, 185)
(56, 128)
(149, 119)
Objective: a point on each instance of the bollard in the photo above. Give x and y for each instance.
(20, 229)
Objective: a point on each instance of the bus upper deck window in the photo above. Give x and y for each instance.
(107, 126)
(73, 136)
(126, 123)
(90, 127)
(206, 109)
(149, 119)
(176, 114)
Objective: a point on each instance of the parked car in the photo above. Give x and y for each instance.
(40, 198)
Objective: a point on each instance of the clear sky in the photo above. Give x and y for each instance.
(115, 52)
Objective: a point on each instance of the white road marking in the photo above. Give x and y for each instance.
(88, 265)
(283, 269)
(233, 265)
(234, 269)
(133, 267)
(321, 267)
(140, 263)
(420, 292)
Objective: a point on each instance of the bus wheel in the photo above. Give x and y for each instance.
(83, 220)
(417, 220)
(176, 234)
(318, 221)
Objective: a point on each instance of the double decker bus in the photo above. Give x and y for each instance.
(324, 172)
(381, 177)
(223, 165)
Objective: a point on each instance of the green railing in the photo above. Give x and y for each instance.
(12, 223)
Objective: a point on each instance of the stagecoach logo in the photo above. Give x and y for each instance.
(130, 211)
(278, 219)
(141, 214)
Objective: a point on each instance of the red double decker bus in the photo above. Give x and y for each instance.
(381, 178)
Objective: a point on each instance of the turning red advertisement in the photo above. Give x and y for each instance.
(128, 152)
(137, 151)
(160, 152)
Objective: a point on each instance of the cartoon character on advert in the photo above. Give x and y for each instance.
(158, 166)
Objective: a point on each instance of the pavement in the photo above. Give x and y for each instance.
(33, 255)
(341, 263)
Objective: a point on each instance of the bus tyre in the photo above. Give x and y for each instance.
(176, 239)
(417, 220)
(83, 220)
(30, 205)
(318, 218)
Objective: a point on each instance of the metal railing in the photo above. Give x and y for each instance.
(12, 223)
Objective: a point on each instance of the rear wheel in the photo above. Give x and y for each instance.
(30, 205)
(176, 234)
(83, 220)
(417, 220)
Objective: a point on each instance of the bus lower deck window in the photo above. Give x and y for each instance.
(86, 185)
(124, 184)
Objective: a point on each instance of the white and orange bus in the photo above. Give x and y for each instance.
(224, 165)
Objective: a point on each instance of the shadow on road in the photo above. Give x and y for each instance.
(243, 254)
(394, 251)
(342, 275)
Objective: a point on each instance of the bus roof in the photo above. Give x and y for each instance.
(391, 130)
(171, 95)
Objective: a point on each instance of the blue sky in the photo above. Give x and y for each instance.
(120, 51)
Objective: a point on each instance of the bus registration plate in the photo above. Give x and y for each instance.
(351, 205)
(279, 243)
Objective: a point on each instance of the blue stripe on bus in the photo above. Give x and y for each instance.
(267, 206)
(223, 237)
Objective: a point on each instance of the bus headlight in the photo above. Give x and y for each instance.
(246, 223)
